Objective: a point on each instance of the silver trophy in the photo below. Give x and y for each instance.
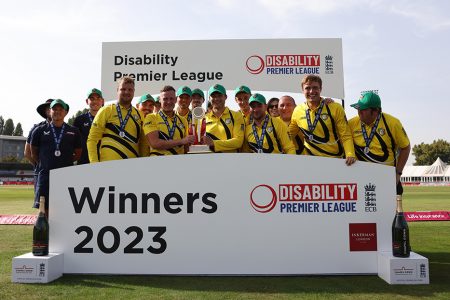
(198, 128)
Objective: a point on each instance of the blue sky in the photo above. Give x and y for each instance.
(52, 49)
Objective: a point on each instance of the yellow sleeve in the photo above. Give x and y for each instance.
(150, 124)
(238, 135)
(293, 126)
(400, 137)
(96, 133)
(286, 141)
(344, 131)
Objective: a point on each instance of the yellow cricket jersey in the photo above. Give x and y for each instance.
(388, 138)
(227, 131)
(155, 122)
(276, 138)
(331, 137)
(104, 142)
(188, 117)
(297, 140)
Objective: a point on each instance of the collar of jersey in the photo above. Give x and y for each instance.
(225, 112)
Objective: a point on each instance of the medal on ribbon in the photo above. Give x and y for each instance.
(259, 140)
(123, 122)
(57, 140)
(312, 126)
(368, 139)
(171, 131)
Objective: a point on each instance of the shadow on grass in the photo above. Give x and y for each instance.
(439, 270)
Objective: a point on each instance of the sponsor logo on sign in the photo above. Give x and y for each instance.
(305, 198)
(24, 270)
(284, 64)
(404, 271)
(363, 236)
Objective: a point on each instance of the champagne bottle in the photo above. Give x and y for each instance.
(400, 232)
(40, 231)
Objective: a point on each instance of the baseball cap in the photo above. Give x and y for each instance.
(257, 98)
(368, 100)
(198, 92)
(184, 90)
(60, 102)
(242, 89)
(217, 88)
(157, 99)
(146, 97)
(94, 91)
(42, 107)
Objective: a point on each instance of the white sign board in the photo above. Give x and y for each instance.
(222, 214)
(263, 65)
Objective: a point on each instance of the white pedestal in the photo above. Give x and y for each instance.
(27, 268)
(396, 270)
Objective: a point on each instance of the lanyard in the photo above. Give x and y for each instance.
(369, 139)
(259, 140)
(189, 117)
(91, 118)
(311, 127)
(57, 140)
(171, 131)
(123, 122)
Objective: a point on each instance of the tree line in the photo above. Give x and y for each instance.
(7, 127)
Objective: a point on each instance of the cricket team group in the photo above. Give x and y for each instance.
(164, 125)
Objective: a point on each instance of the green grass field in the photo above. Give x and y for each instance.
(431, 239)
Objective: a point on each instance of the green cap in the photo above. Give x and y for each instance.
(257, 98)
(198, 92)
(157, 99)
(182, 90)
(217, 88)
(60, 102)
(94, 91)
(368, 100)
(242, 89)
(144, 98)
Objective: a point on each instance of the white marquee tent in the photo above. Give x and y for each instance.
(437, 173)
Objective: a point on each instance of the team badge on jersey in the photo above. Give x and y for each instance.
(324, 117)
(228, 121)
(181, 126)
(269, 129)
(381, 131)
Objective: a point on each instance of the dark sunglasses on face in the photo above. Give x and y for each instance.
(273, 106)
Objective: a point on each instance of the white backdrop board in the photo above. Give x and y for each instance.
(263, 64)
(222, 214)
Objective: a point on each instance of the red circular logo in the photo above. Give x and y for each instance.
(263, 198)
(255, 64)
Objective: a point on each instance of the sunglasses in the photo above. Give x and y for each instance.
(273, 106)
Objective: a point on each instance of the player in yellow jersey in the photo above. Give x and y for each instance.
(157, 106)
(116, 131)
(146, 104)
(286, 107)
(241, 96)
(224, 127)
(166, 132)
(378, 136)
(324, 126)
(198, 97)
(264, 133)
(184, 95)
